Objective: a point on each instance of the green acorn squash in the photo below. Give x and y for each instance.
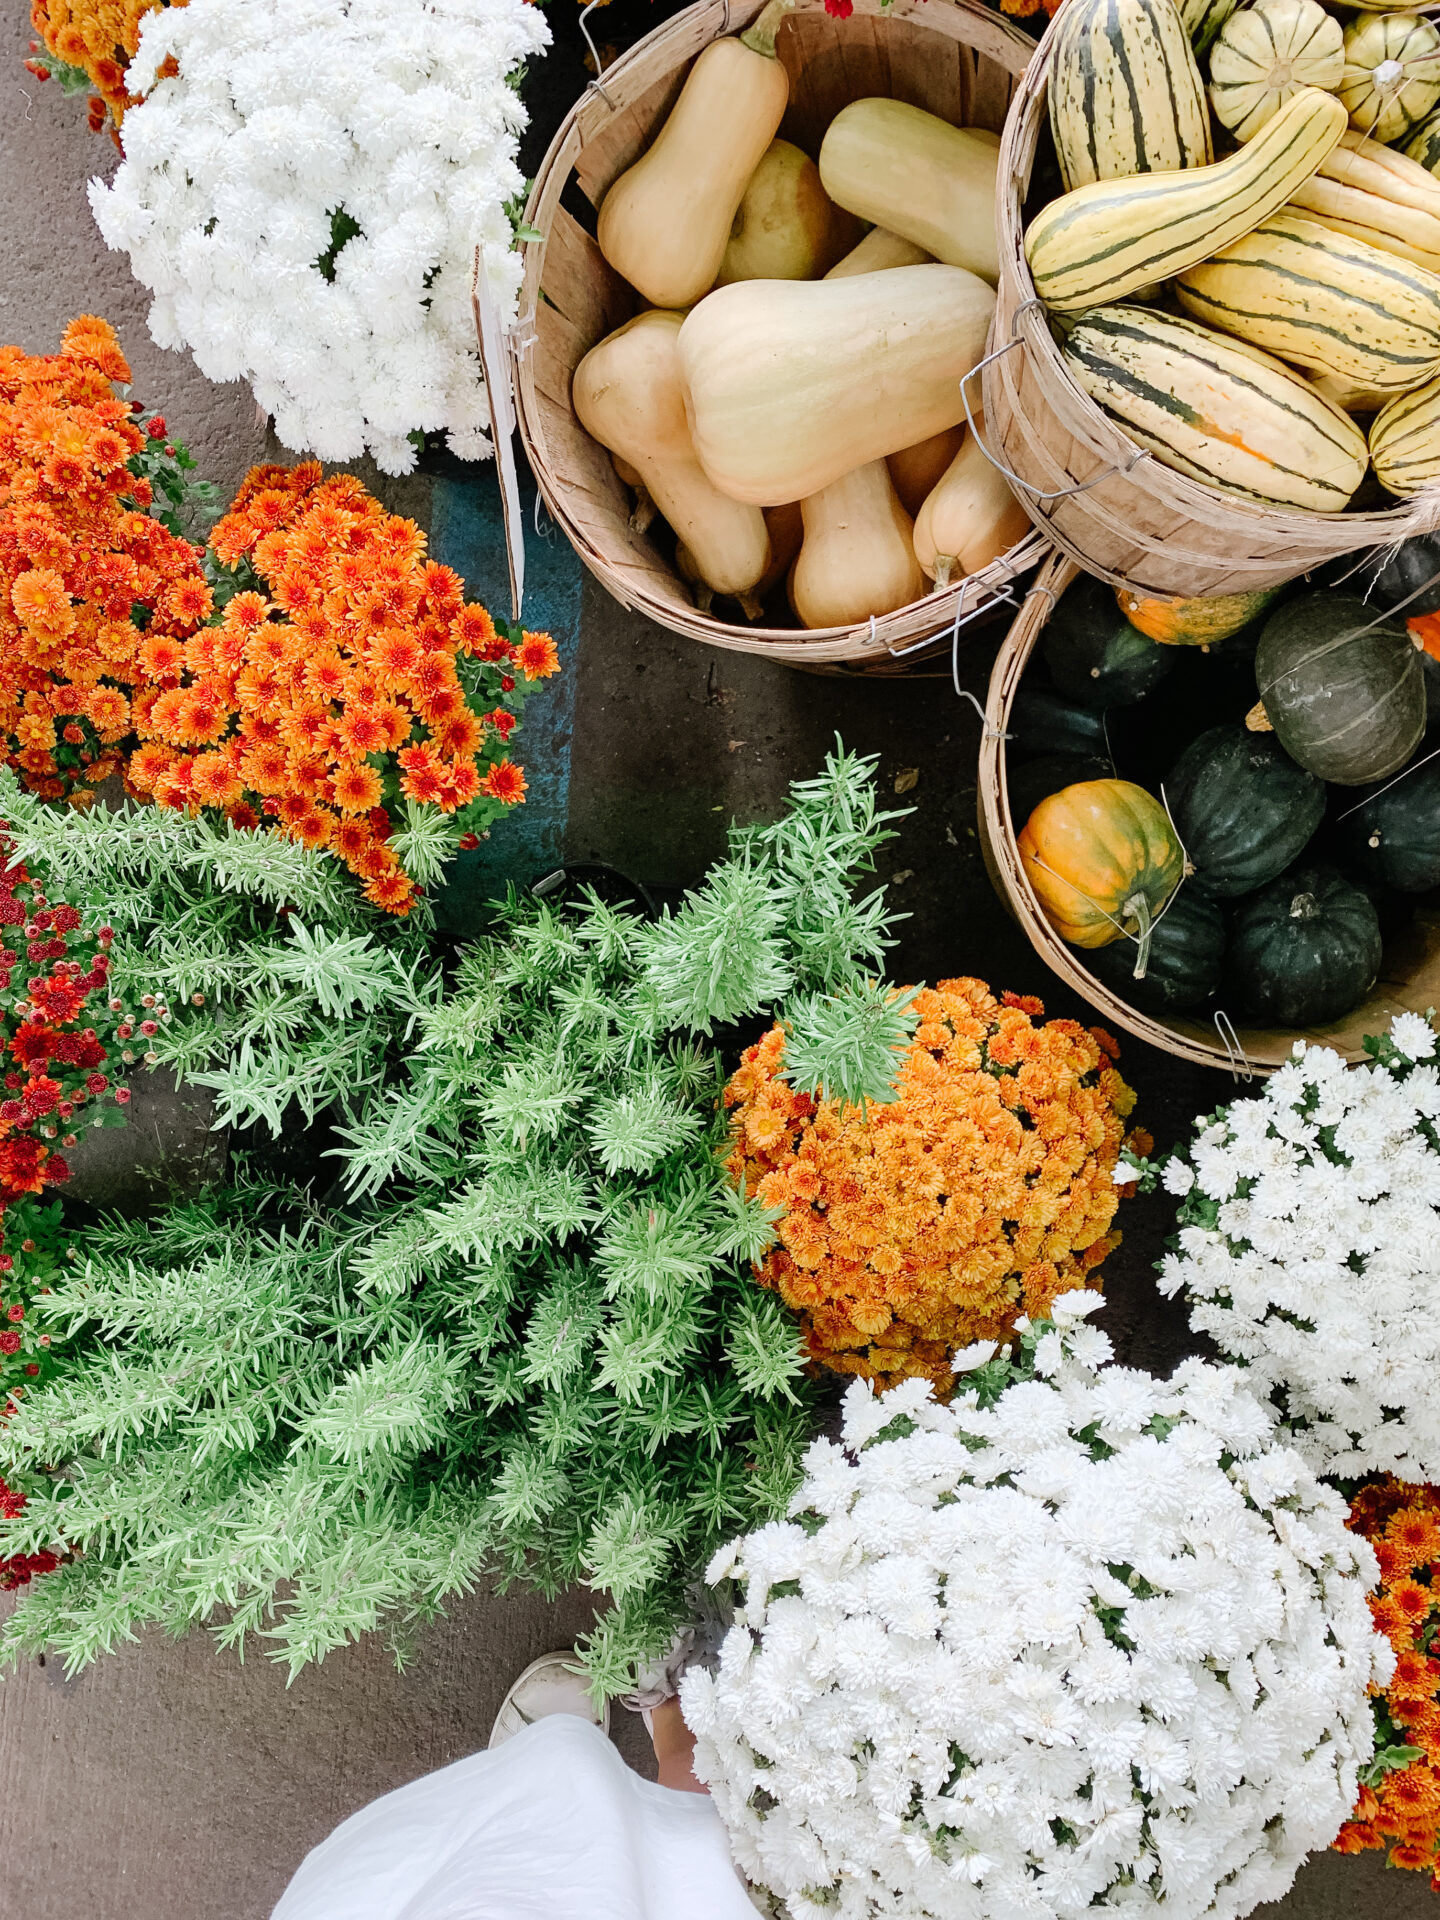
(1393, 838)
(1242, 808)
(1304, 950)
(1041, 722)
(1096, 656)
(1342, 686)
(1186, 963)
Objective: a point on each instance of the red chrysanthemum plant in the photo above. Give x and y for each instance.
(345, 685)
(33, 1252)
(55, 1081)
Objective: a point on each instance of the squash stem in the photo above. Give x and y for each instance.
(944, 565)
(1139, 906)
(760, 35)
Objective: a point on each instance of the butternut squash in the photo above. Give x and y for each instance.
(786, 530)
(786, 527)
(915, 174)
(791, 383)
(665, 223)
(688, 569)
(627, 394)
(970, 518)
(914, 471)
(878, 250)
(642, 516)
(858, 555)
(787, 226)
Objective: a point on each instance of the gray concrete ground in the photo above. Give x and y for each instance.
(171, 1782)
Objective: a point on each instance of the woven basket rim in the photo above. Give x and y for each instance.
(889, 642)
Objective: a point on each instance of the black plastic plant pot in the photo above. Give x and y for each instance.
(568, 885)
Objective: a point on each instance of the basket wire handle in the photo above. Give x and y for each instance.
(597, 85)
(1000, 597)
(1059, 493)
(1235, 1054)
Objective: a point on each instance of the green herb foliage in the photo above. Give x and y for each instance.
(519, 1334)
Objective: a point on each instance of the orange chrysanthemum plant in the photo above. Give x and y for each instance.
(346, 677)
(983, 1190)
(89, 43)
(1399, 1806)
(89, 578)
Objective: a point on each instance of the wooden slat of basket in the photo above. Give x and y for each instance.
(920, 50)
(1410, 971)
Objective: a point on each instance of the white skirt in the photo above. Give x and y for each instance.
(551, 1826)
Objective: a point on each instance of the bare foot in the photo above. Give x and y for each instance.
(674, 1746)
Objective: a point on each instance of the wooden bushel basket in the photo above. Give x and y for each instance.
(1113, 507)
(954, 58)
(1409, 971)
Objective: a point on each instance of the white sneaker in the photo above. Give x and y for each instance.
(555, 1683)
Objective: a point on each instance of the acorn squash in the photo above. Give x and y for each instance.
(1096, 656)
(1242, 808)
(1187, 958)
(1403, 579)
(1103, 860)
(1342, 687)
(1041, 722)
(1303, 950)
(1201, 622)
(1393, 837)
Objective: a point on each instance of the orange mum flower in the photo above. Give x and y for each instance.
(1401, 1814)
(504, 782)
(351, 839)
(214, 781)
(108, 711)
(316, 690)
(395, 892)
(474, 632)
(356, 789)
(916, 1227)
(41, 602)
(161, 656)
(86, 582)
(537, 656)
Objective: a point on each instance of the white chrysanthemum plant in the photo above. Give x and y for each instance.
(304, 198)
(1080, 1638)
(1309, 1249)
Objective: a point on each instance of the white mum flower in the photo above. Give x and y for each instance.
(305, 197)
(1322, 1275)
(1137, 1681)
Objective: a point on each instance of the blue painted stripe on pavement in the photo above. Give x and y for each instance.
(467, 533)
